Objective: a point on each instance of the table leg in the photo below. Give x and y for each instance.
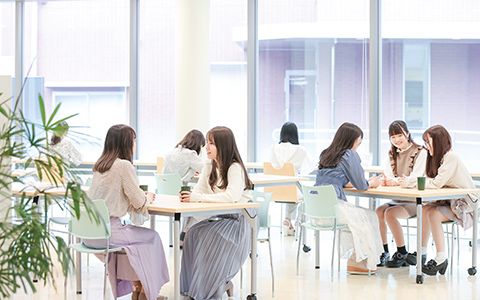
(419, 241)
(317, 249)
(170, 231)
(176, 256)
(473, 270)
(152, 222)
(78, 265)
(253, 223)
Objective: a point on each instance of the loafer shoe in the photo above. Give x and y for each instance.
(397, 260)
(431, 268)
(412, 259)
(354, 267)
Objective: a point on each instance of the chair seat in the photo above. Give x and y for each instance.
(60, 220)
(80, 247)
(323, 227)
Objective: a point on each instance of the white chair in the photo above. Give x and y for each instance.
(89, 227)
(320, 202)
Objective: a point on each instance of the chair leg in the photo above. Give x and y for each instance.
(338, 245)
(170, 231)
(408, 234)
(333, 254)
(241, 277)
(298, 250)
(271, 264)
(105, 276)
(458, 246)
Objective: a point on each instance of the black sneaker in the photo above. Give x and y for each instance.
(383, 259)
(397, 260)
(412, 259)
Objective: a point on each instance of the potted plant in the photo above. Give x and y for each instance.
(27, 249)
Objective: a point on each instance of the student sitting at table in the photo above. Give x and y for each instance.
(406, 162)
(289, 150)
(115, 182)
(444, 169)
(60, 145)
(185, 159)
(340, 166)
(215, 249)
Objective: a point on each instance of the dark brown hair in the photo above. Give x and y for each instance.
(399, 127)
(118, 144)
(227, 154)
(193, 140)
(57, 137)
(441, 144)
(343, 140)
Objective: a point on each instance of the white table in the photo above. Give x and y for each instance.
(171, 206)
(420, 197)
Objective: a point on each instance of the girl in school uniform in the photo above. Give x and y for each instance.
(444, 170)
(406, 161)
(115, 182)
(289, 150)
(340, 166)
(215, 249)
(185, 159)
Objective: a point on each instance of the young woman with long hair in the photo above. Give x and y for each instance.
(115, 181)
(406, 161)
(290, 150)
(444, 169)
(215, 249)
(340, 166)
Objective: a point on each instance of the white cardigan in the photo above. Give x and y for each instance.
(235, 191)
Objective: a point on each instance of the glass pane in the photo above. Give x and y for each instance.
(313, 70)
(78, 52)
(7, 38)
(228, 68)
(432, 76)
(156, 101)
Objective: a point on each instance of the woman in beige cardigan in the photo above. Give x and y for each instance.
(444, 169)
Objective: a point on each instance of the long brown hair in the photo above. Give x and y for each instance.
(58, 138)
(193, 140)
(227, 154)
(441, 144)
(399, 127)
(118, 144)
(343, 140)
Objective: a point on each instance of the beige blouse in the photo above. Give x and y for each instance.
(118, 187)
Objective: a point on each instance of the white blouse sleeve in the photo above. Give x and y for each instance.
(233, 192)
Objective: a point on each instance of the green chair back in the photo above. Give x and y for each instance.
(168, 184)
(87, 227)
(264, 200)
(320, 201)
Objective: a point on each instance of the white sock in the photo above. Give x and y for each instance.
(424, 250)
(441, 257)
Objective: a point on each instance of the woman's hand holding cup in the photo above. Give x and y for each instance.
(185, 194)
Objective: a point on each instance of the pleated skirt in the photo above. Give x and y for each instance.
(213, 252)
(145, 260)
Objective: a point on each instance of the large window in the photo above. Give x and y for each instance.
(228, 68)
(156, 94)
(313, 70)
(431, 71)
(77, 54)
